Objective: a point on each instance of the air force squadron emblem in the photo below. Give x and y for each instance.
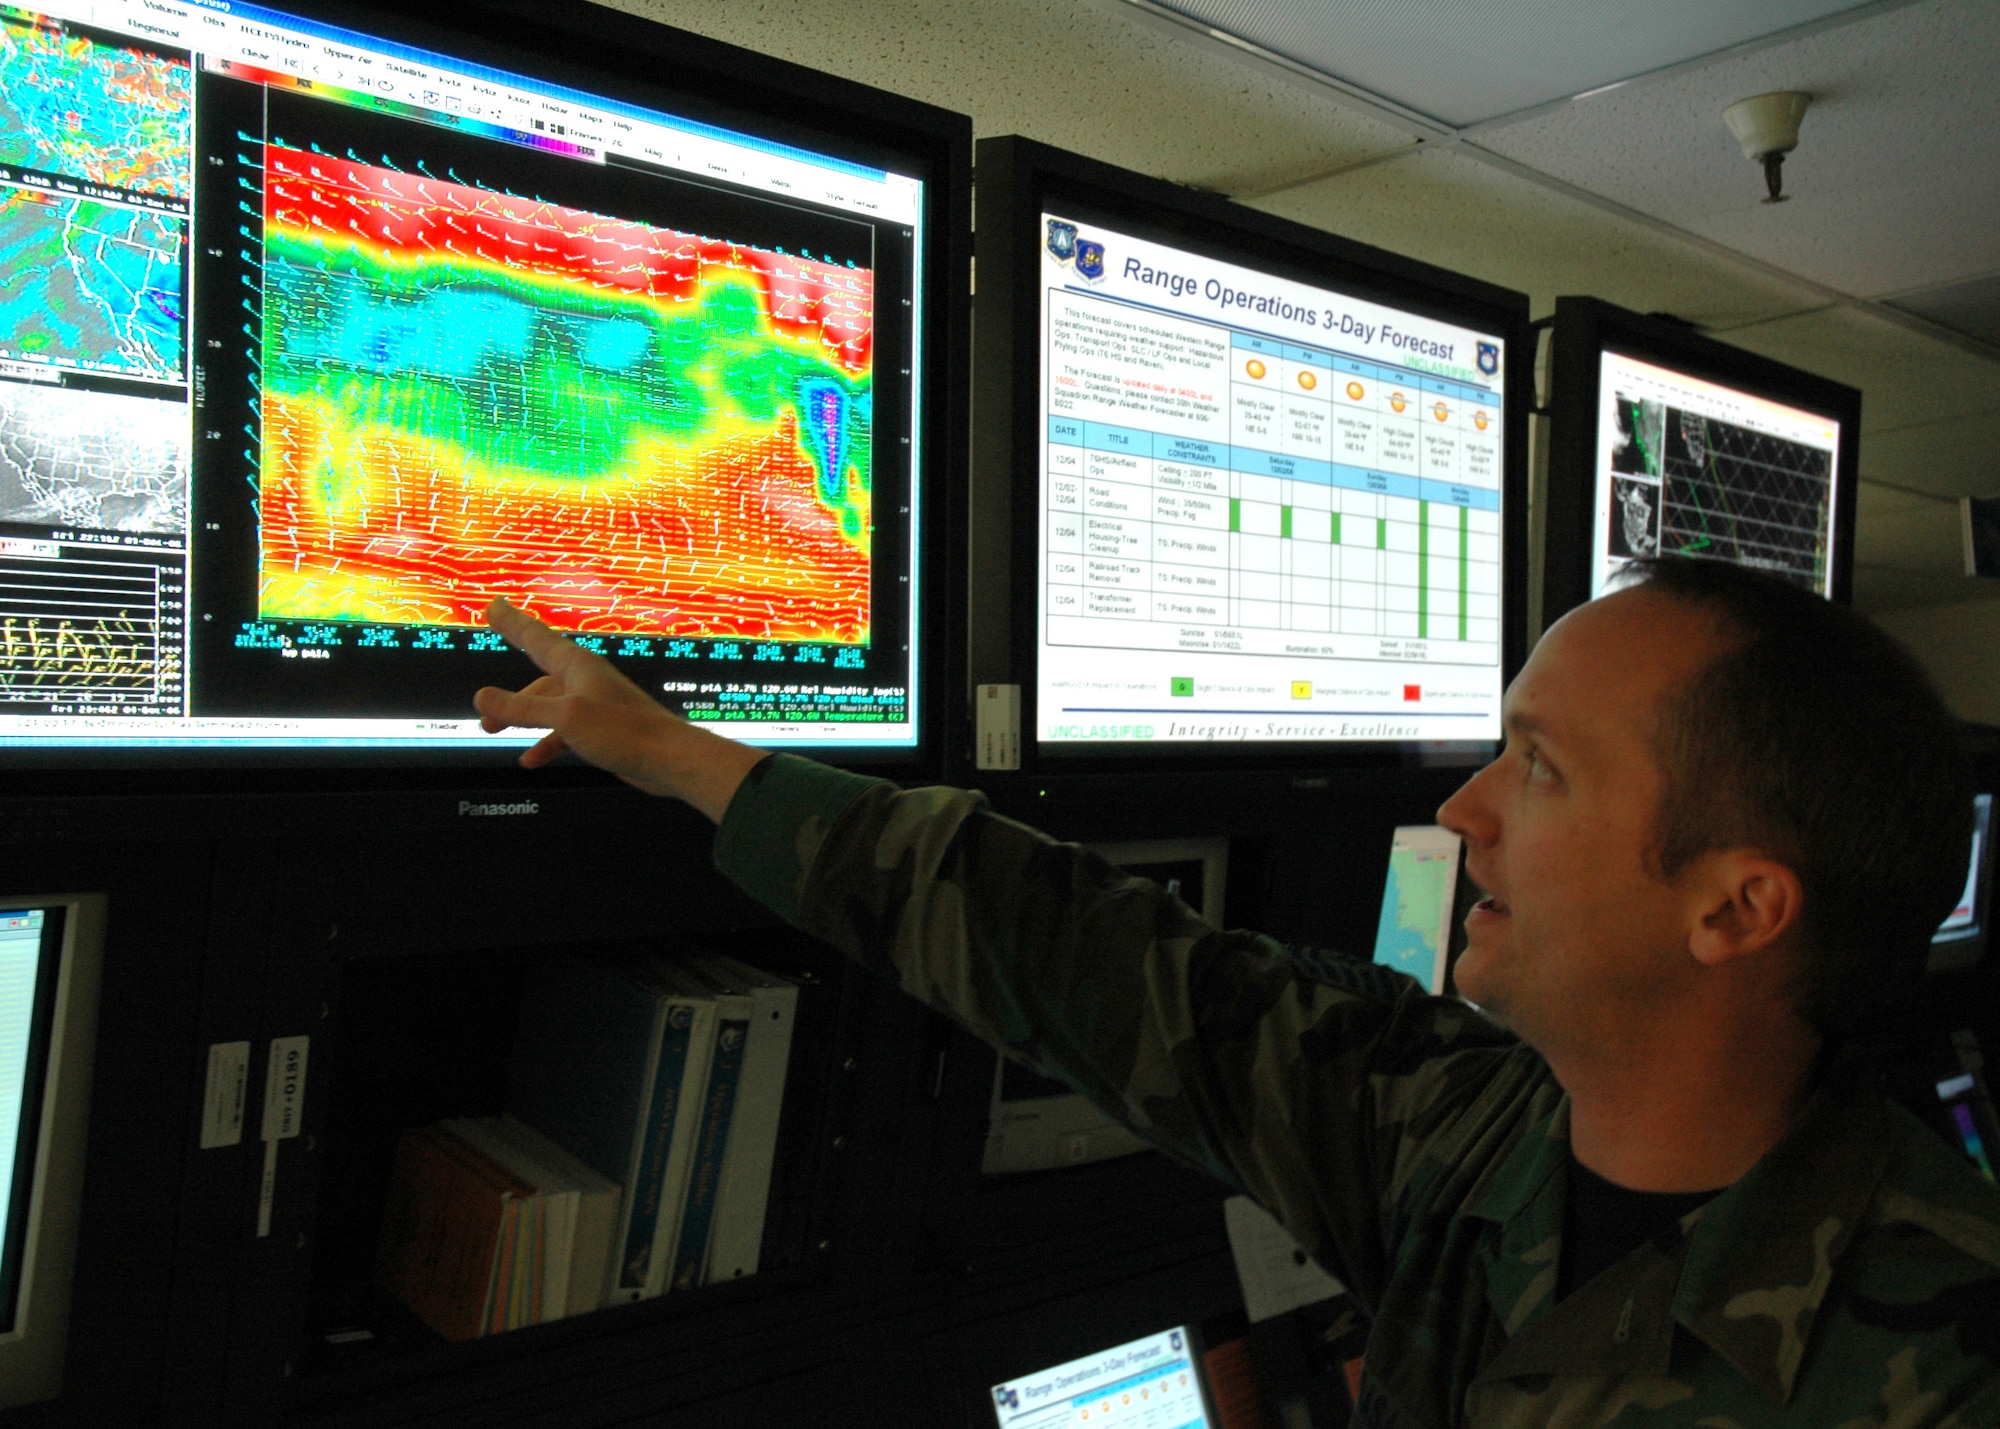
(1489, 358)
(1089, 259)
(1062, 240)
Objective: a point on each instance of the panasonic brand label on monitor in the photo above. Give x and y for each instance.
(1269, 511)
(1686, 466)
(313, 343)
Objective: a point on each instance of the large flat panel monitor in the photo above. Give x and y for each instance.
(322, 327)
(1665, 442)
(1266, 495)
(51, 964)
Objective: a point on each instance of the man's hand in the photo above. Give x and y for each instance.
(595, 712)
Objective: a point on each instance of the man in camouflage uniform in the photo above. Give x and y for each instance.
(1727, 816)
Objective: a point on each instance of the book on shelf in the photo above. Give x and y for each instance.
(581, 1213)
(601, 1067)
(455, 1228)
(666, 1162)
(667, 1075)
(743, 1193)
(717, 1111)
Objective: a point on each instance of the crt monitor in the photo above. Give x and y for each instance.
(51, 964)
(1035, 1123)
(1665, 442)
(1265, 494)
(323, 327)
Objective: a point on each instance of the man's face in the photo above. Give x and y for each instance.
(1577, 933)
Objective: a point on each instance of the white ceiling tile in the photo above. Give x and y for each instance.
(1894, 184)
(1971, 307)
(1462, 61)
(1455, 211)
(1083, 77)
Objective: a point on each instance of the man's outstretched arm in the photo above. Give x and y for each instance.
(1209, 1043)
(591, 709)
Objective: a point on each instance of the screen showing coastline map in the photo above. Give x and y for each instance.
(312, 343)
(1686, 466)
(1270, 512)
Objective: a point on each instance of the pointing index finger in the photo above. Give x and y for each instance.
(547, 649)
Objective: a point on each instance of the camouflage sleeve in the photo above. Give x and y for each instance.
(1307, 1093)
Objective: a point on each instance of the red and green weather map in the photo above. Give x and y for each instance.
(86, 282)
(622, 428)
(92, 110)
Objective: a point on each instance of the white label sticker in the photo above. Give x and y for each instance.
(285, 1088)
(284, 1112)
(222, 1098)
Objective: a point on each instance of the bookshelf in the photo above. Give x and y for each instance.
(400, 948)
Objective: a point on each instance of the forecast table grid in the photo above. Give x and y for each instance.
(1323, 495)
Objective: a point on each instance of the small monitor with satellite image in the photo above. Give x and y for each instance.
(1666, 442)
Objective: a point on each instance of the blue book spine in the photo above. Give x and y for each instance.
(650, 1180)
(717, 1110)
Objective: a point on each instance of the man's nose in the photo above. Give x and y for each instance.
(1469, 812)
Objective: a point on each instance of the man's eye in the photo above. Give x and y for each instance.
(1538, 767)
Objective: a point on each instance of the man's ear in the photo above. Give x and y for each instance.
(1748, 904)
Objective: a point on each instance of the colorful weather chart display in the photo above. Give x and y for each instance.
(90, 109)
(92, 279)
(623, 428)
(89, 285)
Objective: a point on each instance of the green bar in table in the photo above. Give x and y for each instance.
(1462, 522)
(1423, 570)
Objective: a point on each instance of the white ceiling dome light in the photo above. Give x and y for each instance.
(1767, 126)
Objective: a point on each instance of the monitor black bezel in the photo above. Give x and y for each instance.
(1016, 178)
(34, 1094)
(1586, 328)
(624, 57)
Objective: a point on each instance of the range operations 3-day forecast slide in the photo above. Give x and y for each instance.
(623, 428)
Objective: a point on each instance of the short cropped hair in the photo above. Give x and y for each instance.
(1816, 739)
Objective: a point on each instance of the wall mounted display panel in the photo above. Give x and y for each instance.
(1267, 488)
(1669, 443)
(325, 327)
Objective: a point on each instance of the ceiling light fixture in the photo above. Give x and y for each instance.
(1767, 126)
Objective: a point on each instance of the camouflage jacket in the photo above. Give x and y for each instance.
(1851, 1278)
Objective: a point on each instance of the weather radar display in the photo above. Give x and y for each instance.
(312, 343)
